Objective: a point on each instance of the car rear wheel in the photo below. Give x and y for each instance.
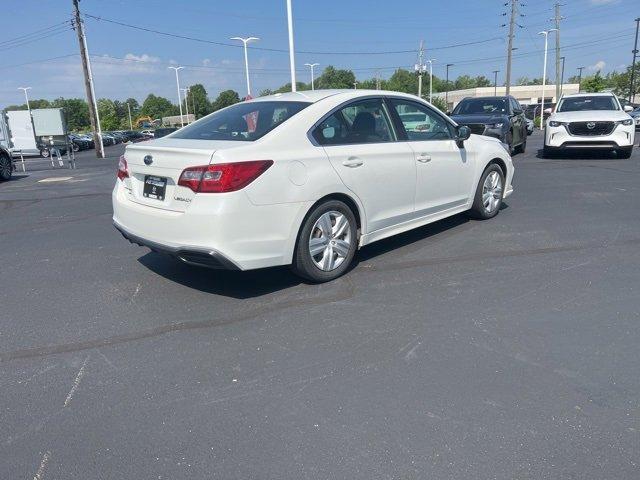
(327, 242)
(5, 167)
(489, 194)
(75, 147)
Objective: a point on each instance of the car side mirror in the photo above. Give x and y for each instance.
(628, 108)
(463, 133)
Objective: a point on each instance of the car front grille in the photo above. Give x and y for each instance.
(591, 129)
(477, 128)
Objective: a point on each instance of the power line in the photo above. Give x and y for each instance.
(52, 33)
(35, 32)
(279, 50)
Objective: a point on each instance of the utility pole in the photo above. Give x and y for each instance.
(420, 67)
(130, 122)
(88, 81)
(557, 19)
(633, 65)
(512, 24)
(378, 83)
(579, 77)
(431, 60)
(495, 83)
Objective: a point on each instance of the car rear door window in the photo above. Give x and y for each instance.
(364, 121)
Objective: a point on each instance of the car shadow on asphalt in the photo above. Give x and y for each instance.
(256, 283)
(580, 155)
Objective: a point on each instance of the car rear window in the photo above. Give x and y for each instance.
(242, 122)
(481, 106)
(579, 104)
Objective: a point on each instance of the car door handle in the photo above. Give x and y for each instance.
(423, 158)
(353, 162)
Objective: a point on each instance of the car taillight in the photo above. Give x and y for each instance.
(123, 172)
(222, 177)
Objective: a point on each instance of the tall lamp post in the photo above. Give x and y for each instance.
(130, 122)
(245, 41)
(26, 96)
(186, 101)
(544, 72)
(495, 82)
(312, 66)
(430, 62)
(561, 77)
(292, 55)
(579, 77)
(446, 92)
(179, 98)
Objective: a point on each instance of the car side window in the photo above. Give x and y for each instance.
(364, 121)
(420, 122)
(515, 106)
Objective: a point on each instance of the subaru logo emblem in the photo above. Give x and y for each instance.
(148, 159)
(591, 125)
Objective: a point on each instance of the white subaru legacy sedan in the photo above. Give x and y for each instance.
(304, 179)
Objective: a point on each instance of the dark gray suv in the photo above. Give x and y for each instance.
(6, 164)
(499, 117)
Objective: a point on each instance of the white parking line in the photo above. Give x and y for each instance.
(76, 382)
(43, 464)
(54, 179)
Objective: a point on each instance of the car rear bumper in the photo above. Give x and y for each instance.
(215, 230)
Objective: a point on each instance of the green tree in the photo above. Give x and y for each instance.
(265, 92)
(76, 113)
(108, 114)
(594, 83)
(335, 78)
(35, 103)
(439, 103)
(225, 99)
(404, 81)
(158, 107)
(199, 100)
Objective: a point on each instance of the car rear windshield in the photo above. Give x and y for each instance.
(485, 106)
(579, 104)
(242, 122)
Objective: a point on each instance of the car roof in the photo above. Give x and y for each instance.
(313, 96)
(585, 94)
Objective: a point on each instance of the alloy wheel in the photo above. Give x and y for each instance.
(492, 192)
(330, 240)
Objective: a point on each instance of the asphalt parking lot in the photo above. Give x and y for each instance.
(504, 349)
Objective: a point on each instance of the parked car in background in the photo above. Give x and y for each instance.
(530, 126)
(6, 164)
(636, 117)
(304, 179)
(78, 142)
(163, 132)
(108, 139)
(148, 133)
(590, 121)
(499, 117)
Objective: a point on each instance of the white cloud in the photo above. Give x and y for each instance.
(604, 2)
(141, 58)
(599, 65)
(206, 62)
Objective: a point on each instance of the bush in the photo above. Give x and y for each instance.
(440, 104)
(536, 122)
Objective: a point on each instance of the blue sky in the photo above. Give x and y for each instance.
(132, 63)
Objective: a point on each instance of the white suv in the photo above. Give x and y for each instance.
(592, 121)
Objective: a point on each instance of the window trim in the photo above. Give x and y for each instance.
(400, 126)
(344, 105)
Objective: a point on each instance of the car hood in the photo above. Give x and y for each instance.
(486, 119)
(590, 115)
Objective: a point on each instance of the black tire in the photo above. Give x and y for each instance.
(624, 152)
(478, 209)
(5, 167)
(75, 147)
(509, 141)
(522, 147)
(303, 263)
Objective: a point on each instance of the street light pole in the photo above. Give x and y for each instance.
(292, 56)
(179, 98)
(495, 83)
(245, 41)
(544, 73)
(446, 83)
(26, 96)
(130, 122)
(431, 60)
(562, 77)
(186, 102)
(312, 66)
(633, 65)
(579, 77)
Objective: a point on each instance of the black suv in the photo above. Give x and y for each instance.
(499, 117)
(6, 164)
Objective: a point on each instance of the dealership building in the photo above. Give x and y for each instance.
(525, 94)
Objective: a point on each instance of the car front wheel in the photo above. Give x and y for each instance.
(489, 193)
(5, 167)
(327, 242)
